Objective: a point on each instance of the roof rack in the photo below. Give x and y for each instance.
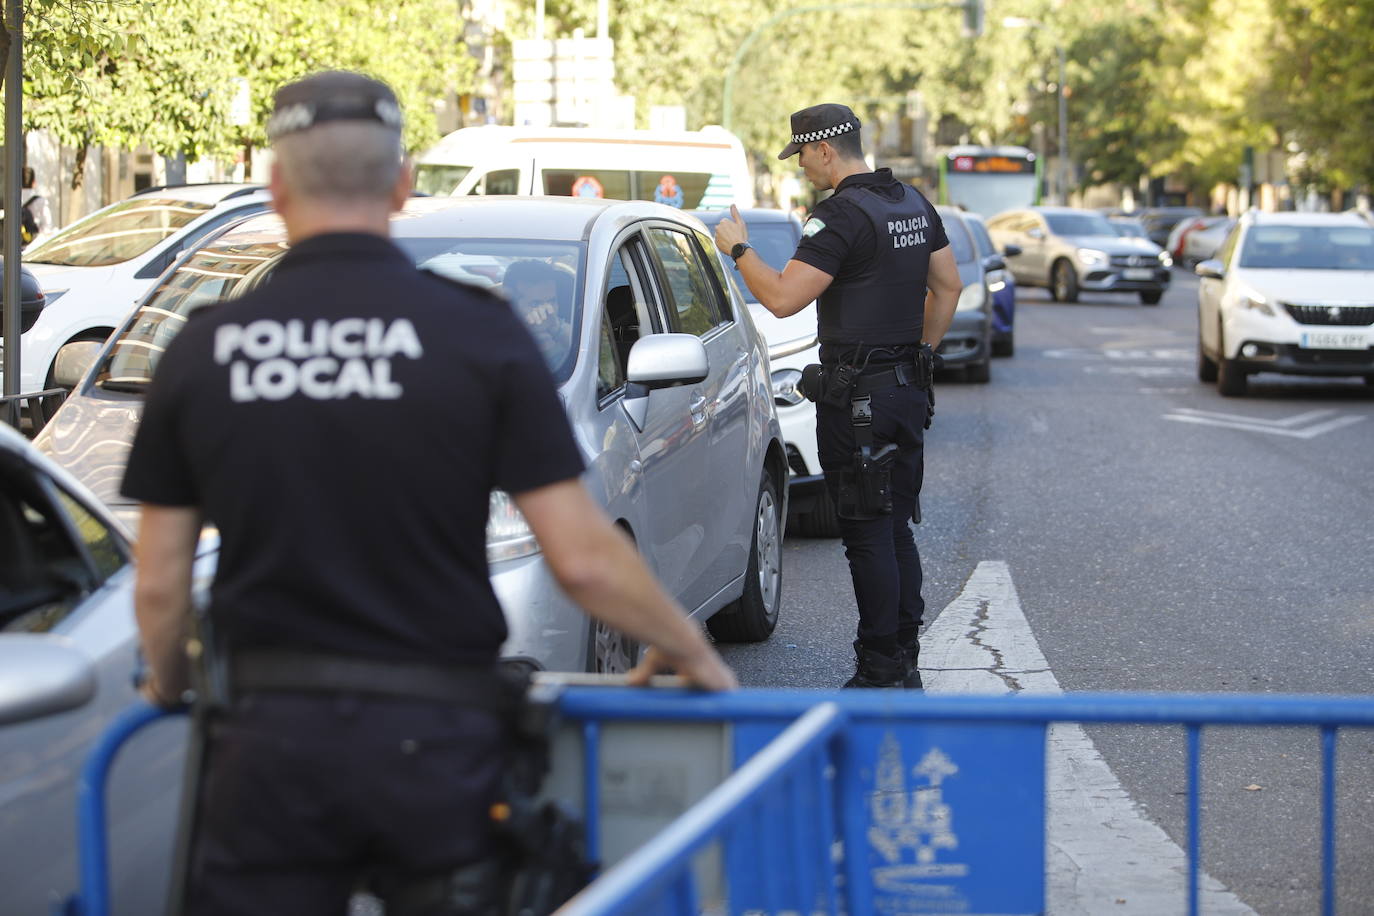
(239, 192)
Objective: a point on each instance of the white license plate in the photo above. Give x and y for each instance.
(1138, 273)
(1334, 340)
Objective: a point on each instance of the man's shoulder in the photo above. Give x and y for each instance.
(445, 285)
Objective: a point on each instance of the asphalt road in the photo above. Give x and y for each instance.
(1161, 538)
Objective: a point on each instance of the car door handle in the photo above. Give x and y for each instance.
(698, 410)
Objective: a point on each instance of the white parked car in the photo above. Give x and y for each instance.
(1290, 293)
(93, 271)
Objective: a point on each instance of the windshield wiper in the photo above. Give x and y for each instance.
(132, 385)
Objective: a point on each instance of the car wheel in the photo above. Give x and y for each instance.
(1151, 297)
(1206, 366)
(754, 616)
(821, 522)
(1064, 286)
(610, 651)
(979, 373)
(1004, 345)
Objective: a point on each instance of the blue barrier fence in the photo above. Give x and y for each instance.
(822, 799)
(824, 810)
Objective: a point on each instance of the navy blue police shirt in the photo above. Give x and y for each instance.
(838, 238)
(343, 426)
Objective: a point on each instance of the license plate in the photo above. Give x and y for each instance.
(1138, 273)
(1334, 340)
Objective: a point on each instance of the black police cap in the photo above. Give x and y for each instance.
(333, 95)
(819, 122)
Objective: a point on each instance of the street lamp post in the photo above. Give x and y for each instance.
(1018, 22)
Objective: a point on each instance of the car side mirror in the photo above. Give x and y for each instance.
(665, 360)
(73, 362)
(1212, 270)
(1036, 233)
(1011, 251)
(994, 262)
(42, 675)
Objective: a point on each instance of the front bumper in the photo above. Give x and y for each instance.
(1291, 359)
(1114, 279)
(968, 340)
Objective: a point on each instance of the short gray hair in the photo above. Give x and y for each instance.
(341, 161)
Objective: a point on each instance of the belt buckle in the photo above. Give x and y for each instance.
(861, 411)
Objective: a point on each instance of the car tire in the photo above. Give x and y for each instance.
(821, 522)
(1230, 376)
(979, 373)
(753, 617)
(1206, 366)
(1064, 282)
(1004, 345)
(1151, 297)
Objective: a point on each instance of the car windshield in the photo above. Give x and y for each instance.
(1309, 248)
(1128, 228)
(1079, 224)
(439, 180)
(959, 241)
(118, 233)
(542, 289)
(981, 237)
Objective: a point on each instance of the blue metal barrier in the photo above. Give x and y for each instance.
(92, 841)
(888, 830)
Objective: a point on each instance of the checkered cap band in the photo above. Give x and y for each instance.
(824, 133)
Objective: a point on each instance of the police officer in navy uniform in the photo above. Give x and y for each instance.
(342, 426)
(875, 256)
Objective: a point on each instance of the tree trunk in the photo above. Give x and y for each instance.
(79, 167)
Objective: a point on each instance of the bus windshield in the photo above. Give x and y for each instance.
(988, 180)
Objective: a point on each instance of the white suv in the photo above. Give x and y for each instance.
(1290, 293)
(93, 271)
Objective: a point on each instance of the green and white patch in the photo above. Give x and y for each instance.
(812, 226)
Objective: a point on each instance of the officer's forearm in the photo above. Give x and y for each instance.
(162, 594)
(939, 313)
(785, 293)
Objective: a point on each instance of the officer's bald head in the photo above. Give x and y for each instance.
(337, 138)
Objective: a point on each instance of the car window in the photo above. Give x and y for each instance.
(775, 242)
(48, 561)
(211, 276)
(1228, 248)
(117, 233)
(439, 180)
(959, 241)
(154, 268)
(981, 239)
(1079, 224)
(502, 182)
(627, 316)
(1309, 248)
(693, 303)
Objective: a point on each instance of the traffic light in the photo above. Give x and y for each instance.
(973, 18)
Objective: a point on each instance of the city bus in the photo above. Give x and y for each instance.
(989, 179)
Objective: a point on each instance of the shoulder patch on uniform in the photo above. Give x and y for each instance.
(812, 226)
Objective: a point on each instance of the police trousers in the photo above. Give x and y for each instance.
(883, 559)
(306, 795)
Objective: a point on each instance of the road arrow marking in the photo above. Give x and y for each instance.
(1103, 855)
(1285, 427)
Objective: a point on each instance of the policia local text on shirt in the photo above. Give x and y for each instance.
(876, 257)
(364, 737)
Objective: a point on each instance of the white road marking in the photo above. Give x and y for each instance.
(1284, 427)
(1103, 854)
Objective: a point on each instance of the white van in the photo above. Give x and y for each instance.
(694, 170)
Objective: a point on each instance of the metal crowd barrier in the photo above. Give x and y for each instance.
(772, 802)
(824, 811)
(11, 407)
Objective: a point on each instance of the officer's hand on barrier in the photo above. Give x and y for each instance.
(704, 669)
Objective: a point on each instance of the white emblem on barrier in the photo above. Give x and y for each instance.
(910, 821)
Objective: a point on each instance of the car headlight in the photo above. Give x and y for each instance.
(973, 297)
(1165, 260)
(1091, 257)
(785, 391)
(508, 534)
(1253, 300)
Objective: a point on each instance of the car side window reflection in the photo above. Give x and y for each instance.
(626, 317)
(692, 306)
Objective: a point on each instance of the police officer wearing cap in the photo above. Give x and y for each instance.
(363, 736)
(875, 257)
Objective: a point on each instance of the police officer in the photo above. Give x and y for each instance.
(875, 256)
(352, 594)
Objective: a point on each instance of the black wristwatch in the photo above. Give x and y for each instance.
(740, 248)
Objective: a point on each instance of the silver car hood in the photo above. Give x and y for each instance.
(90, 438)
